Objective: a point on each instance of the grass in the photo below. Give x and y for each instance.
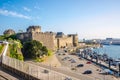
(14, 53)
(39, 60)
(1, 48)
(50, 53)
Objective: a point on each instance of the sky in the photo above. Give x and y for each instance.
(90, 19)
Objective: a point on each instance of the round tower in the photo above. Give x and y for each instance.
(34, 29)
(75, 40)
(9, 32)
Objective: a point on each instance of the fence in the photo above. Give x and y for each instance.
(34, 70)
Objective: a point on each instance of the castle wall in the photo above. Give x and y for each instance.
(55, 43)
(46, 39)
(24, 36)
(64, 42)
(49, 39)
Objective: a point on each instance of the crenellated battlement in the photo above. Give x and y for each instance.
(34, 29)
(43, 33)
(49, 39)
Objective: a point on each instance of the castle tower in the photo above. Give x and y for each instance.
(74, 39)
(35, 29)
(9, 32)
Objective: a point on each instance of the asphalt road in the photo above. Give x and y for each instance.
(66, 72)
(6, 75)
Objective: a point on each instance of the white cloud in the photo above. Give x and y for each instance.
(36, 7)
(26, 9)
(13, 14)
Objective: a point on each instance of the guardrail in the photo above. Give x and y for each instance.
(3, 78)
(34, 70)
(29, 70)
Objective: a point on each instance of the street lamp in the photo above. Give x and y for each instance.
(119, 69)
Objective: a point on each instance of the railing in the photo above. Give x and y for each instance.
(34, 70)
(3, 78)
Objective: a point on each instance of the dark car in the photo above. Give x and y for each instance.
(80, 65)
(46, 71)
(65, 50)
(88, 72)
(67, 78)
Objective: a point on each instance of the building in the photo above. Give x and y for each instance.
(51, 40)
(113, 41)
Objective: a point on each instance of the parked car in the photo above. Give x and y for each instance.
(67, 78)
(46, 71)
(80, 58)
(88, 62)
(70, 59)
(88, 72)
(65, 50)
(65, 58)
(73, 61)
(80, 65)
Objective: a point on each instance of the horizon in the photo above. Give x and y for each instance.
(90, 19)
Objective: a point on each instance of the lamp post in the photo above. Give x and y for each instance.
(119, 69)
(109, 63)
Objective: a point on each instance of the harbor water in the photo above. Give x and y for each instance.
(111, 50)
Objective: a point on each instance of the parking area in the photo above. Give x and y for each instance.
(80, 66)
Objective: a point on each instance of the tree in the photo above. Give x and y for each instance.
(34, 49)
(44, 49)
(15, 49)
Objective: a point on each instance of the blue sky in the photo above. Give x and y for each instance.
(88, 18)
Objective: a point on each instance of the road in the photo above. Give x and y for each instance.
(6, 75)
(63, 71)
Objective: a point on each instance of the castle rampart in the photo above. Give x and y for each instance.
(24, 36)
(34, 29)
(49, 39)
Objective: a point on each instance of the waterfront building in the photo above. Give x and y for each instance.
(109, 41)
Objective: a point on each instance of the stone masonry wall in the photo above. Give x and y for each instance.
(46, 39)
(65, 41)
(24, 36)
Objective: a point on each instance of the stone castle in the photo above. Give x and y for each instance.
(51, 40)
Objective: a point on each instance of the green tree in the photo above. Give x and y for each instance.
(45, 50)
(15, 49)
(34, 49)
